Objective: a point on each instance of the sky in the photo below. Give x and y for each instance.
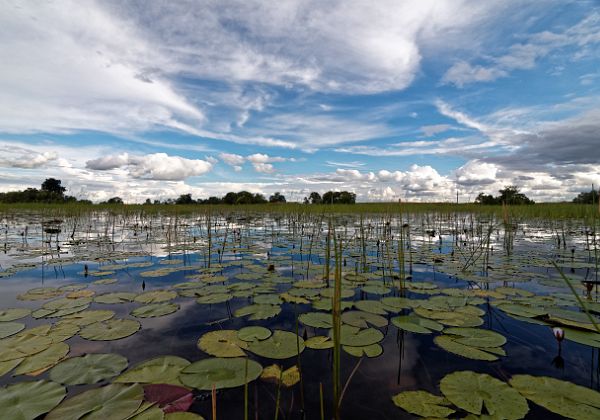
(412, 100)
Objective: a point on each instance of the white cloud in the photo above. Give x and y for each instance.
(232, 159)
(20, 157)
(265, 168)
(156, 166)
(432, 130)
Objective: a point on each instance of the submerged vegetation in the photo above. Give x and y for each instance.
(291, 311)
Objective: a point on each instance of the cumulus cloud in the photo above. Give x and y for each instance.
(156, 166)
(19, 157)
(265, 168)
(232, 159)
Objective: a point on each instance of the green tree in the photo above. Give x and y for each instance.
(587, 197)
(277, 198)
(315, 198)
(185, 199)
(53, 185)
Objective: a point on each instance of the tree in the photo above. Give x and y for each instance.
(587, 197)
(53, 185)
(508, 195)
(486, 199)
(185, 199)
(337, 197)
(230, 198)
(114, 200)
(315, 198)
(277, 198)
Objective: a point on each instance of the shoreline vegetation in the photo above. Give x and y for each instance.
(51, 199)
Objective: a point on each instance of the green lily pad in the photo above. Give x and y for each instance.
(220, 373)
(560, 397)
(355, 337)
(155, 310)
(66, 303)
(363, 319)
(416, 324)
(155, 296)
(114, 401)
(84, 318)
(373, 350)
(319, 342)
(280, 345)
(104, 282)
(29, 400)
(9, 365)
(423, 404)
(214, 298)
(587, 338)
(10, 328)
(254, 333)
(269, 299)
(472, 391)
(476, 337)
(317, 319)
(88, 369)
(160, 370)
(12, 314)
(113, 329)
(43, 360)
(377, 289)
(521, 310)
(258, 311)
(396, 304)
(40, 293)
(222, 343)
(21, 346)
(59, 331)
(447, 343)
(371, 306)
(114, 298)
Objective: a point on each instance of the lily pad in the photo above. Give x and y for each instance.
(155, 296)
(214, 298)
(155, 310)
(254, 333)
(29, 400)
(88, 369)
(476, 337)
(355, 337)
(114, 298)
(160, 370)
(113, 329)
(449, 344)
(372, 350)
(287, 378)
(319, 342)
(416, 324)
(423, 404)
(371, 306)
(473, 391)
(170, 398)
(43, 360)
(363, 319)
(21, 346)
(12, 314)
(220, 373)
(281, 345)
(10, 328)
(258, 311)
(114, 401)
(222, 343)
(317, 319)
(84, 318)
(560, 397)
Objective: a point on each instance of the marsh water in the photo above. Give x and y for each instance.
(218, 264)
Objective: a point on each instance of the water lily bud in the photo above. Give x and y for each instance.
(559, 334)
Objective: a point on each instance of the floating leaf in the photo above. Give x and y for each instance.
(84, 318)
(155, 310)
(317, 319)
(476, 337)
(40, 293)
(21, 346)
(372, 350)
(43, 360)
(10, 328)
(254, 333)
(281, 345)
(371, 306)
(319, 342)
(258, 311)
(222, 343)
(28, 400)
(287, 378)
(214, 298)
(113, 329)
(416, 324)
(377, 289)
(169, 398)
(447, 343)
(396, 304)
(220, 373)
(363, 319)
(114, 298)
(423, 404)
(114, 401)
(156, 296)
(88, 369)
(160, 370)
(355, 337)
(587, 338)
(560, 397)
(12, 314)
(472, 391)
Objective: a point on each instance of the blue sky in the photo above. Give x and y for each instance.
(411, 99)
